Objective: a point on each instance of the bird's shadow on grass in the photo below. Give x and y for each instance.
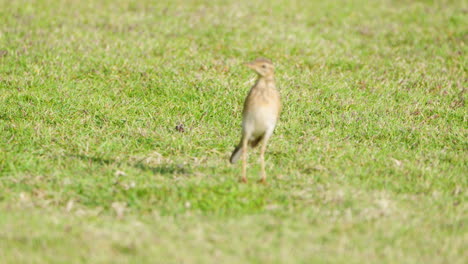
(141, 165)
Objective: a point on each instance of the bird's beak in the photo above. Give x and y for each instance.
(250, 65)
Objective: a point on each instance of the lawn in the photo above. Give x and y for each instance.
(368, 164)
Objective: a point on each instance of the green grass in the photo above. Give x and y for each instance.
(368, 163)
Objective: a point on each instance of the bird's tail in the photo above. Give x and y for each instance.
(238, 150)
(236, 154)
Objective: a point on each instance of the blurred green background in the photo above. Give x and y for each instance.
(367, 165)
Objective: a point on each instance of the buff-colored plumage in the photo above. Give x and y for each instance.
(261, 112)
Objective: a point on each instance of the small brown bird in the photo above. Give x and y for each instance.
(261, 112)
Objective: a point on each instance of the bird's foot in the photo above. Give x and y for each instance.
(262, 181)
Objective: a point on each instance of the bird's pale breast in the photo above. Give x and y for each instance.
(261, 111)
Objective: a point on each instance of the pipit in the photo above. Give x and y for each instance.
(261, 111)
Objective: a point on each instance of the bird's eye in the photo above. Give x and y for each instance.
(264, 66)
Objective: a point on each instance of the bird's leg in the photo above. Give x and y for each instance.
(262, 158)
(244, 159)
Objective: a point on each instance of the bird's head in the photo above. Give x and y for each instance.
(264, 67)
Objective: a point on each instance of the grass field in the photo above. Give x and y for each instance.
(368, 164)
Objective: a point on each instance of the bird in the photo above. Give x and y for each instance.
(261, 111)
